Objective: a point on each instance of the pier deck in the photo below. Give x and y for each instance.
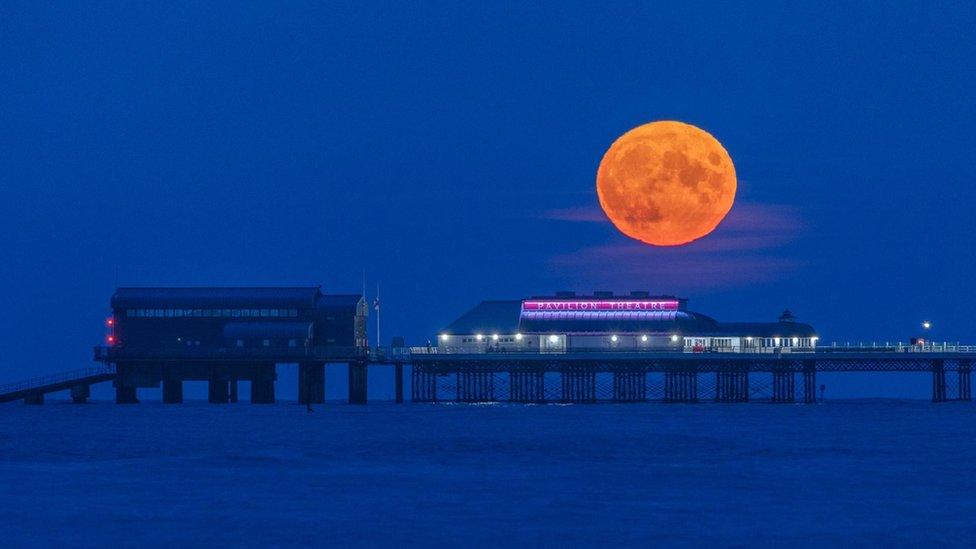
(575, 376)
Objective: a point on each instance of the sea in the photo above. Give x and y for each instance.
(840, 473)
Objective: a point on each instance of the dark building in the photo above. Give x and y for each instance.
(232, 320)
(225, 335)
(604, 321)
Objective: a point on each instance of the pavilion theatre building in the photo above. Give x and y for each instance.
(603, 321)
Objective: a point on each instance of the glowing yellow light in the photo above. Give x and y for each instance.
(643, 338)
(518, 337)
(479, 337)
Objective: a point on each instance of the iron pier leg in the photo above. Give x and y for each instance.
(357, 382)
(965, 381)
(423, 384)
(398, 381)
(938, 381)
(809, 381)
(579, 385)
(725, 385)
(311, 383)
(743, 385)
(263, 384)
(172, 387)
(629, 386)
(80, 393)
(218, 392)
(125, 389)
(784, 388)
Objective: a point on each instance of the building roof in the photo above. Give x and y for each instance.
(767, 329)
(507, 317)
(203, 297)
(488, 317)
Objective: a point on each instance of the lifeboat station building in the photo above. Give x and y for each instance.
(603, 321)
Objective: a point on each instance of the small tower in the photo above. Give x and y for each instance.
(787, 316)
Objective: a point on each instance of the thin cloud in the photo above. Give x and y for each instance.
(583, 214)
(737, 253)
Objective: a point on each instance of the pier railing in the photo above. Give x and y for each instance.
(823, 349)
(54, 379)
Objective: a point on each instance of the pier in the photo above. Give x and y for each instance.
(439, 375)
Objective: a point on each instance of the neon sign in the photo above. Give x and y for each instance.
(622, 305)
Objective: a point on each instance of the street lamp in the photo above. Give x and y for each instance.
(926, 325)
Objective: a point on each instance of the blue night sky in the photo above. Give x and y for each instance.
(451, 152)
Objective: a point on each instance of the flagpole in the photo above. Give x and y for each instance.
(377, 315)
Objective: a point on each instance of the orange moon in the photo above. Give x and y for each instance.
(666, 183)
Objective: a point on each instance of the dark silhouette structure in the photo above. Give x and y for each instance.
(165, 336)
(228, 335)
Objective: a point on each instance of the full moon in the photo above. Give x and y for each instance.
(666, 183)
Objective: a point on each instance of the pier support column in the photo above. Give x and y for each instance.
(681, 385)
(218, 391)
(579, 384)
(784, 384)
(965, 380)
(423, 384)
(398, 382)
(732, 384)
(357, 382)
(311, 383)
(263, 385)
(629, 386)
(938, 381)
(232, 385)
(125, 388)
(526, 386)
(725, 385)
(34, 398)
(475, 386)
(80, 393)
(810, 382)
(172, 387)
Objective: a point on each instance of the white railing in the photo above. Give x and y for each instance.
(887, 347)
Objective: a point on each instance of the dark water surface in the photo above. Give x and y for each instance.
(867, 472)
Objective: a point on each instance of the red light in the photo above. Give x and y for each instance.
(110, 321)
(110, 339)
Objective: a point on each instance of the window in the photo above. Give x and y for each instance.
(292, 343)
(264, 312)
(240, 342)
(292, 312)
(246, 312)
(207, 313)
(266, 343)
(235, 313)
(274, 312)
(178, 313)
